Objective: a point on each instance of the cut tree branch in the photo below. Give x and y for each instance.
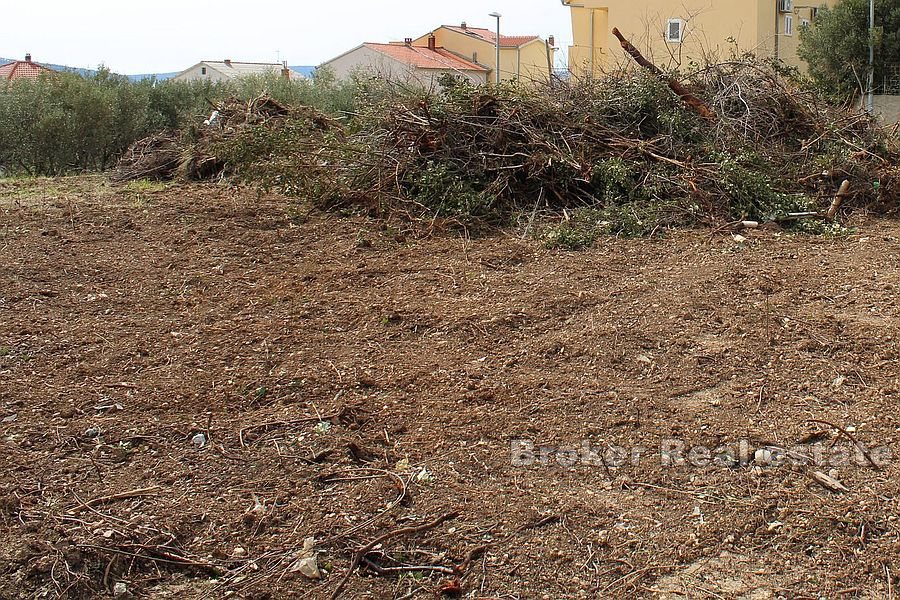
(676, 86)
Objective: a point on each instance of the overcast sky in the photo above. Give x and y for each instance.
(158, 36)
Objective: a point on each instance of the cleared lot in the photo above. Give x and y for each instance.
(195, 380)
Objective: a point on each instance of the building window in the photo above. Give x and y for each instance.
(788, 25)
(804, 23)
(474, 57)
(203, 70)
(675, 30)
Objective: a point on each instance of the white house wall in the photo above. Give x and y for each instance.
(196, 73)
(366, 60)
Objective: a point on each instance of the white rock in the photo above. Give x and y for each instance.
(238, 553)
(258, 507)
(120, 589)
(308, 567)
(424, 476)
(199, 440)
(763, 456)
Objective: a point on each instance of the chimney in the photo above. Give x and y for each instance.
(432, 42)
(228, 62)
(408, 41)
(28, 57)
(285, 72)
(552, 41)
(463, 26)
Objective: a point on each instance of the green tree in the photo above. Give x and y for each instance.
(836, 46)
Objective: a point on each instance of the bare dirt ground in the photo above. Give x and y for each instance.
(195, 380)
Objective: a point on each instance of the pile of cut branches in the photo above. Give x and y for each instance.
(156, 158)
(752, 143)
(766, 149)
(234, 112)
(193, 154)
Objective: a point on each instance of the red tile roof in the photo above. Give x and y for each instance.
(425, 58)
(491, 36)
(22, 69)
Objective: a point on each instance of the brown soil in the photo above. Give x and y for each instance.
(353, 382)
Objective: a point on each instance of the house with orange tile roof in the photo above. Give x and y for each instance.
(406, 62)
(522, 57)
(23, 69)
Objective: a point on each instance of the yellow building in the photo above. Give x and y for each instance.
(522, 57)
(675, 32)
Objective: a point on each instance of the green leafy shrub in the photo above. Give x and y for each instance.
(749, 188)
(448, 193)
(66, 123)
(614, 180)
(585, 226)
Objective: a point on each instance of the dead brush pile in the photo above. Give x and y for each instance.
(623, 153)
(198, 154)
(156, 157)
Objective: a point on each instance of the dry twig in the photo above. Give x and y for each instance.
(139, 493)
(382, 538)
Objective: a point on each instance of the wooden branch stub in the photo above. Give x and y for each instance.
(828, 482)
(838, 199)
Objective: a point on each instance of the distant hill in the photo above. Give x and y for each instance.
(157, 76)
(306, 70)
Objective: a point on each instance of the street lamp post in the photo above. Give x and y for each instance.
(497, 16)
(870, 99)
